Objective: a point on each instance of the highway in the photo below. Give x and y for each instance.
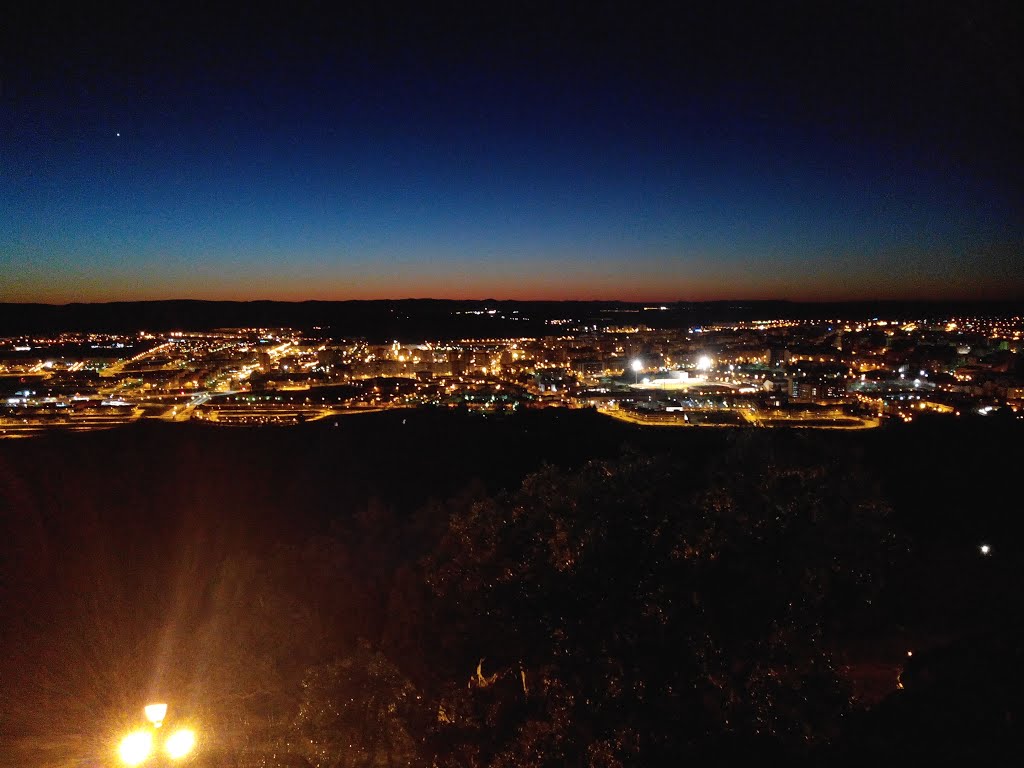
(184, 412)
(118, 367)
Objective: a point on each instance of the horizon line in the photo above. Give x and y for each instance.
(659, 302)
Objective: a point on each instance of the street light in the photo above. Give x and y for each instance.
(637, 366)
(180, 743)
(135, 748)
(138, 747)
(155, 713)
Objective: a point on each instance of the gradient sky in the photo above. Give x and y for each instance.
(806, 151)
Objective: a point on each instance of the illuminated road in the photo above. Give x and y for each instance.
(118, 367)
(749, 419)
(660, 420)
(184, 412)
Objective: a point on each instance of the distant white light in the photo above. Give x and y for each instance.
(118, 135)
(704, 363)
(637, 366)
(985, 549)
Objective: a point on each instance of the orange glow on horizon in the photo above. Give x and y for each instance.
(543, 287)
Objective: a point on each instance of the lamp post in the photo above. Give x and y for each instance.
(155, 713)
(637, 366)
(141, 747)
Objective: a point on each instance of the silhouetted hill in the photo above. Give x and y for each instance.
(241, 568)
(438, 318)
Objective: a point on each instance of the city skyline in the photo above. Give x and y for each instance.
(613, 154)
(838, 373)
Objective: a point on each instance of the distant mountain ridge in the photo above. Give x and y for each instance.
(409, 319)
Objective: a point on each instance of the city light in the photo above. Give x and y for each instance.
(985, 549)
(774, 371)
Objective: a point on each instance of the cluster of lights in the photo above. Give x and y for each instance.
(136, 748)
(139, 746)
(695, 355)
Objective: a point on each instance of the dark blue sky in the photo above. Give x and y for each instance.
(593, 151)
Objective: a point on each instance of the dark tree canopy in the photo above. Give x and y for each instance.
(641, 607)
(727, 597)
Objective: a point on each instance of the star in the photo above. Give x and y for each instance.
(118, 135)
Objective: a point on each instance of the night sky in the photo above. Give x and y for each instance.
(531, 151)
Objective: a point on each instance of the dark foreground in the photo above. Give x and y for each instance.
(549, 588)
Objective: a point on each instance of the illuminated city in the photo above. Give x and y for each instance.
(832, 373)
(533, 384)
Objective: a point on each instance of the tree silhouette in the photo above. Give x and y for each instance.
(644, 607)
(354, 713)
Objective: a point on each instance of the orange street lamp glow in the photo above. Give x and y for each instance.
(180, 743)
(136, 747)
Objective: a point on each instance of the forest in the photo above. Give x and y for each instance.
(436, 588)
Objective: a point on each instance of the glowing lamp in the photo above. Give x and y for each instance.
(180, 743)
(135, 748)
(156, 713)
